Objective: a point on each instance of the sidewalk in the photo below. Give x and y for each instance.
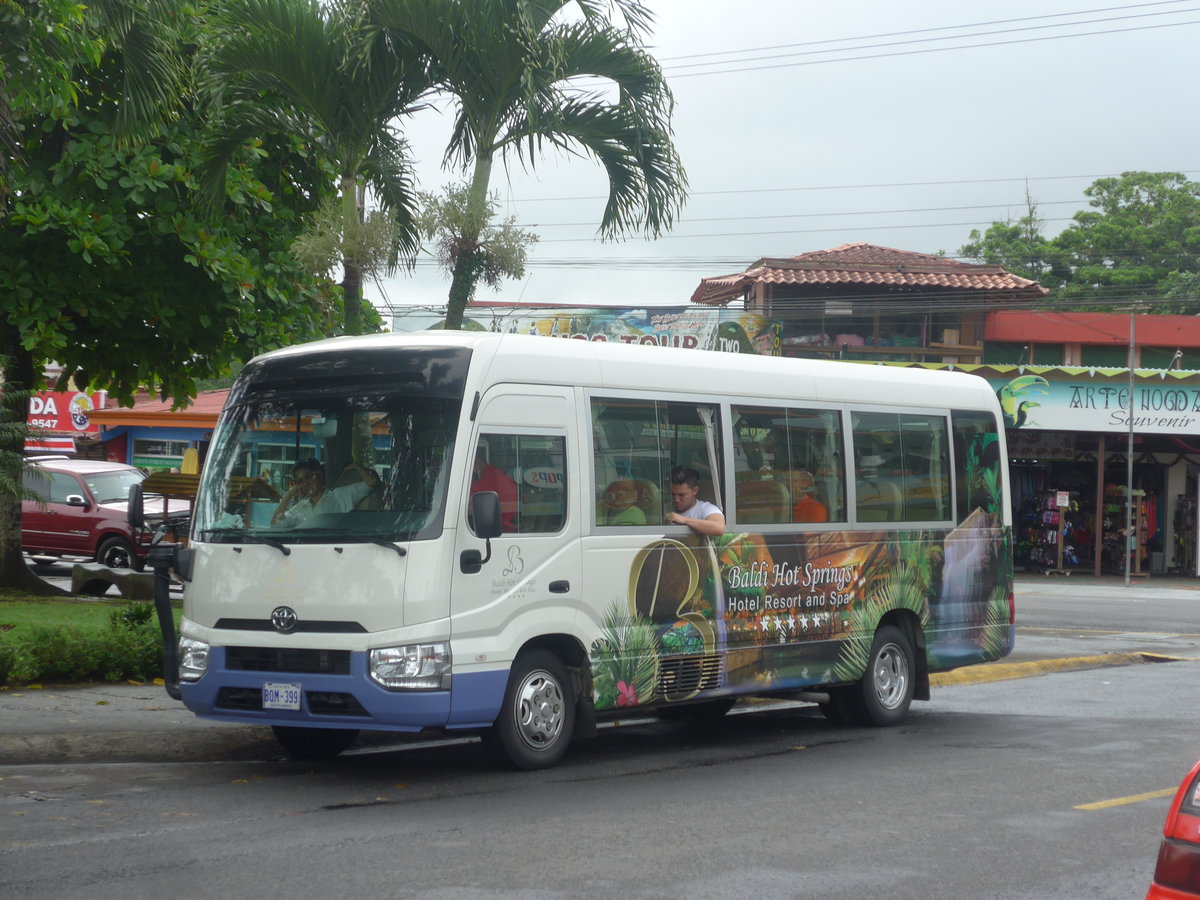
(121, 723)
(117, 723)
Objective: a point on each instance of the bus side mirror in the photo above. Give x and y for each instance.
(485, 522)
(135, 515)
(485, 514)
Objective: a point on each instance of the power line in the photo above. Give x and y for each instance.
(791, 231)
(858, 187)
(1032, 40)
(977, 34)
(1082, 12)
(869, 212)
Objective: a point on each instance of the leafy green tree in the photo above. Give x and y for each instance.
(1139, 243)
(289, 67)
(1143, 228)
(513, 69)
(105, 265)
(1020, 247)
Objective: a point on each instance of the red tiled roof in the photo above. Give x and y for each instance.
(866, 264)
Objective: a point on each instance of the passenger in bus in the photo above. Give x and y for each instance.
(699, 515)
(490, 477)
(620, 504)
(807, 507)
(309, 495)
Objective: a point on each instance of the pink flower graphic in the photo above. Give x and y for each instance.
(626, 695)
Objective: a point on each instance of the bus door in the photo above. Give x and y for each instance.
(522, 449)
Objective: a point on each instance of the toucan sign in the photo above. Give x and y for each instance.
(63, 411)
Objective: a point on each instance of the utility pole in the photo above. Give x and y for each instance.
(1130, 537)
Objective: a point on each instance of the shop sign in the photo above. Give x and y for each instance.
(64, 411)
(1068, 398)
(157, 462)
(1034, 402)
(704, 328)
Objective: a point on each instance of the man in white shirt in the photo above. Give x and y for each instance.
(699, 515)
(309, 496)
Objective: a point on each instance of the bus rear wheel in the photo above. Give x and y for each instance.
(538, 714)
(884, 694)
(314, 743)
(887, 685)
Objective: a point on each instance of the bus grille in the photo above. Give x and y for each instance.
(683, 676)
(321, 703)
(280, 659)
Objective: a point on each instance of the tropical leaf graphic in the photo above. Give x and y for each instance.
(901, 585)
(995, 624)
(624, 659)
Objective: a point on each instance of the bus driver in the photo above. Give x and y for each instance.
(308, 494)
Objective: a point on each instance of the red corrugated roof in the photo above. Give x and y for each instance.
(1072, 326)
(202, 411)
(870, 265)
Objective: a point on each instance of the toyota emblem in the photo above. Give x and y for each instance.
(284, 619)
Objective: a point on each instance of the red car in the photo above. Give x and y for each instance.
(1177, 876)
(83, 512)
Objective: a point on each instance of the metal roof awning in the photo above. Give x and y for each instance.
(50, 444)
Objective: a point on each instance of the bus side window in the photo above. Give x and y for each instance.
(637, 442)
(902, 465)
(787, 465)
(529, 474)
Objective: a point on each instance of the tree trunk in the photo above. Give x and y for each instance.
(19, 373)
(352, 316)
(466, 272)
(352, 299)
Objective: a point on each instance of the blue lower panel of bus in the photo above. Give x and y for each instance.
(275, 693)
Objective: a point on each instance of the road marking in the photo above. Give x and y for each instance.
(1124, 801)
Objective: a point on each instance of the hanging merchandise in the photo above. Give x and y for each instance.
(1054, 545)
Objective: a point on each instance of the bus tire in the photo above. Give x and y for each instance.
(886, 689)
(537, 716)
(314, 743)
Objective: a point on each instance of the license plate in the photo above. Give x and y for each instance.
(278, 695)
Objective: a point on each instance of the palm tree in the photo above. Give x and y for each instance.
(513, 68)
(287, 67)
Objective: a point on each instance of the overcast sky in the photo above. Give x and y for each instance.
(805, 125)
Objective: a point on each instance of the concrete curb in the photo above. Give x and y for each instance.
(218, 744)
(1007, 671)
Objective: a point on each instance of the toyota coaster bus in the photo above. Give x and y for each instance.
(490, 551)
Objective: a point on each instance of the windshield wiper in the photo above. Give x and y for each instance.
(250, 538)
(384, 542)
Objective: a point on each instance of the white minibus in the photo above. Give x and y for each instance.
(481, 532)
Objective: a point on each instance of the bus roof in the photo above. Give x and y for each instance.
(519, 358)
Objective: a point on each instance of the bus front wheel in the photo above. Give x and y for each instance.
(538, 714)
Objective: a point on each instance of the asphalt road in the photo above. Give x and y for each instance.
(1053, 787)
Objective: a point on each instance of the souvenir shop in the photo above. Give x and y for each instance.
(1070, 510)
(1072, 484)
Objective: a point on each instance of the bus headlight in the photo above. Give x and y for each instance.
(413, 667)
(193, 659)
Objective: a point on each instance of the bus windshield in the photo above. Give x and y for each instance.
(335, 463)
